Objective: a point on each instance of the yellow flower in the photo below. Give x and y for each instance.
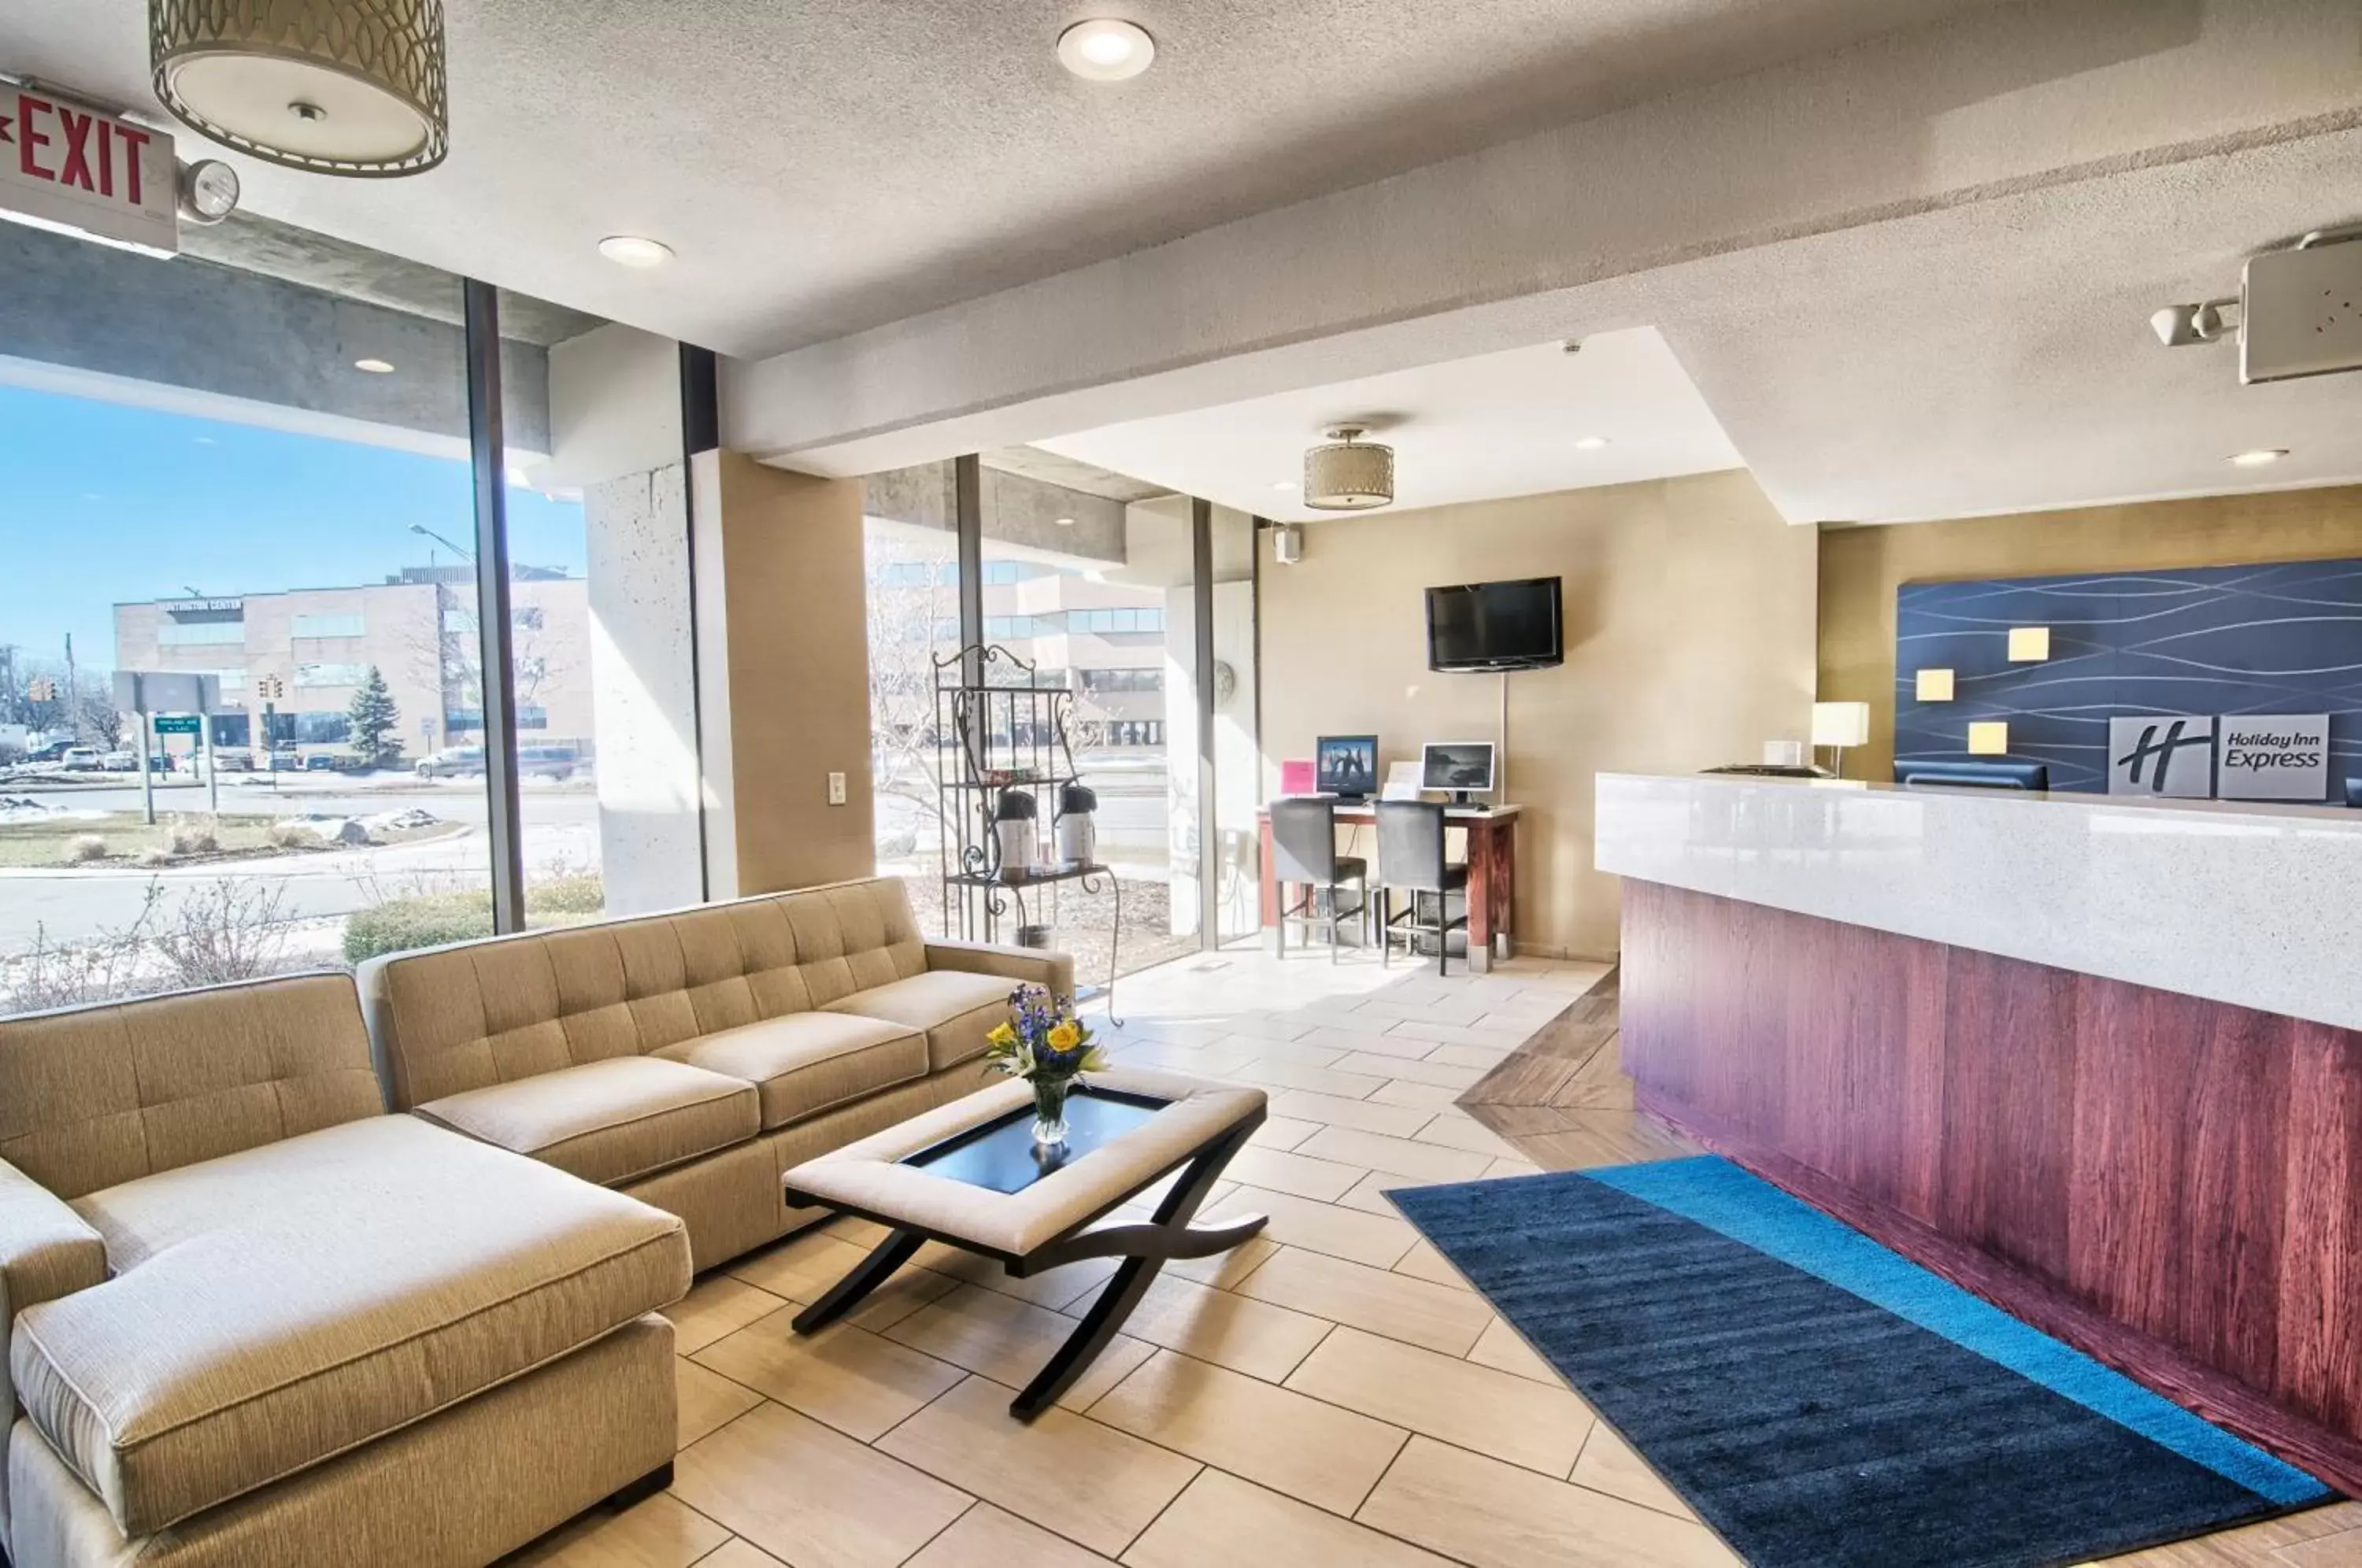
(1066, 1036)
(1002, 1035)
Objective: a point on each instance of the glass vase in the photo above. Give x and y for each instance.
(1050, 1111)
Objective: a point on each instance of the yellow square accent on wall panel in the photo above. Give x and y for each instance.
(2029, 644)
(1934, 686)
(1989, 737)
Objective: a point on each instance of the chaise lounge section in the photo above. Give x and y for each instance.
(256, 1321)
(689, 1059)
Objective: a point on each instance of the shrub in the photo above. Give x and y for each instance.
(581, 894)
(429, 920)
(201, 838)
(85, 846)
(292, 835)
(426, 920)
(153, 857)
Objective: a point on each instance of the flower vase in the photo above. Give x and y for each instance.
(1050, 1111)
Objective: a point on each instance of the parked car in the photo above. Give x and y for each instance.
(458, 762)
(334, 762)
(53, 752)
(553, 762)
(286, 761)
(120, 762)
(79, 758)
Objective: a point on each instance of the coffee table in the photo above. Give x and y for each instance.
(968, 1175)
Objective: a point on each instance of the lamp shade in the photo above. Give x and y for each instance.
(1840, 724)
(351, 87)
(1351, 475)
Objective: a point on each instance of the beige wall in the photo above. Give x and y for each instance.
(1690, 641)
(1862, 568)
(784, 665)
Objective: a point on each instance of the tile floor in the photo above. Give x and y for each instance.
(1330, 1392)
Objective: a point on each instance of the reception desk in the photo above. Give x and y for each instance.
(2098, 1059)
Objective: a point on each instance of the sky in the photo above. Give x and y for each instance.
(101, 502)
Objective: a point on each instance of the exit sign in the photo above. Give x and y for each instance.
(64, 165)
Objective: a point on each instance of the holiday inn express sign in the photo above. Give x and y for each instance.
(64, 165)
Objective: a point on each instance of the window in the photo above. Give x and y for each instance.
(913, 613)
(1150, 619)
(322, 729)
(346, 625)
(1112, 680)
(1007, 574)
(199, 633)
(331, 674)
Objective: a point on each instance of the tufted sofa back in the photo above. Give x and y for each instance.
(93, 1095)
(478, 1013)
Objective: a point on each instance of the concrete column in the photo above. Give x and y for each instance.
(616, 417)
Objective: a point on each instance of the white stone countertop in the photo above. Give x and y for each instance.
(2253, 904)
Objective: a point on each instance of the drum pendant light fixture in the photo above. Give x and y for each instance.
(1351, 475)
(351, 87)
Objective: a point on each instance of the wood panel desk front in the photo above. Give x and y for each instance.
(1492, 832)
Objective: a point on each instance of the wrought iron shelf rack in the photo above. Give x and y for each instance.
(998, 732)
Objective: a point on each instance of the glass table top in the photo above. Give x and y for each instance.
(1000, 1155)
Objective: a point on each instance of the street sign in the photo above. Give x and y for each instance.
(65, 165)
(167, 691)
(179, 724)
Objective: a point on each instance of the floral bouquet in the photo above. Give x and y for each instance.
(1044, 1043)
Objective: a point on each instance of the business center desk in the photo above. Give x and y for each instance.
(2098, 1059)
(1492, 832)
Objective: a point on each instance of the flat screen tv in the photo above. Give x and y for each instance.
(1495, 625)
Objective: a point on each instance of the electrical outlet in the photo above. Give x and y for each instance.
(837, 789)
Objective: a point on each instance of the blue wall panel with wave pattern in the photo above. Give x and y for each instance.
(2283, 638)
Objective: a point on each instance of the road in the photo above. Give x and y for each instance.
(67, 905)
(561, 832)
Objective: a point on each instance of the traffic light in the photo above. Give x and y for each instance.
(41, 689)
(270, 688)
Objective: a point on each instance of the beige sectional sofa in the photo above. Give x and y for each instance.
(254, 1320)
(688, 1059)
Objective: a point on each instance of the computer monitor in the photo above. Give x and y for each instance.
(1464, 767)
(1345, 766)
(1974, 775)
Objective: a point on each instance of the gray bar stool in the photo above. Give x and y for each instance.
(1303, 852)
(1410, 857)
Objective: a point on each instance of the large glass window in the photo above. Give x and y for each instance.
(257, 567)
(913, 584)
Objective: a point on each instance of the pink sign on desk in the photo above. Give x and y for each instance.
(1295, 777)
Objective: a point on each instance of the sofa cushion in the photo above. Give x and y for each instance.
(806, 1063)
(608, 1122)
(276, 1307)
(956, 1010)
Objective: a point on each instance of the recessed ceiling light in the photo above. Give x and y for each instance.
(635, 251)
(1064, 521)
(2259, 456)
(1283, 484)
(1589, 443)
(374, 367)
(1106, 50)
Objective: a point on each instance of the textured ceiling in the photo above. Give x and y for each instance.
(823, 168)
(1475, 429)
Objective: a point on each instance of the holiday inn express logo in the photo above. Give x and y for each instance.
(2156, 749)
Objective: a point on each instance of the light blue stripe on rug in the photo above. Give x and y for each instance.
(1722, 1198)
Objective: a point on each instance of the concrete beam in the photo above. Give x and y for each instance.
(1018, 510)
(1429, 262)
(201, 338)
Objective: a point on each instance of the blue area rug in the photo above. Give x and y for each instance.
(1823, 1402)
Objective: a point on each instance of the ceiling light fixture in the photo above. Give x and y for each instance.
(1283, 484)
(375, 367)
(1350, 476)
(1589, 443)
(352, 87)
(1106, 50)
(1064, 521)
(2262, 456)
(635, 251)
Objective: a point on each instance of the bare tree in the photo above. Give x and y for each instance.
(913, 613)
